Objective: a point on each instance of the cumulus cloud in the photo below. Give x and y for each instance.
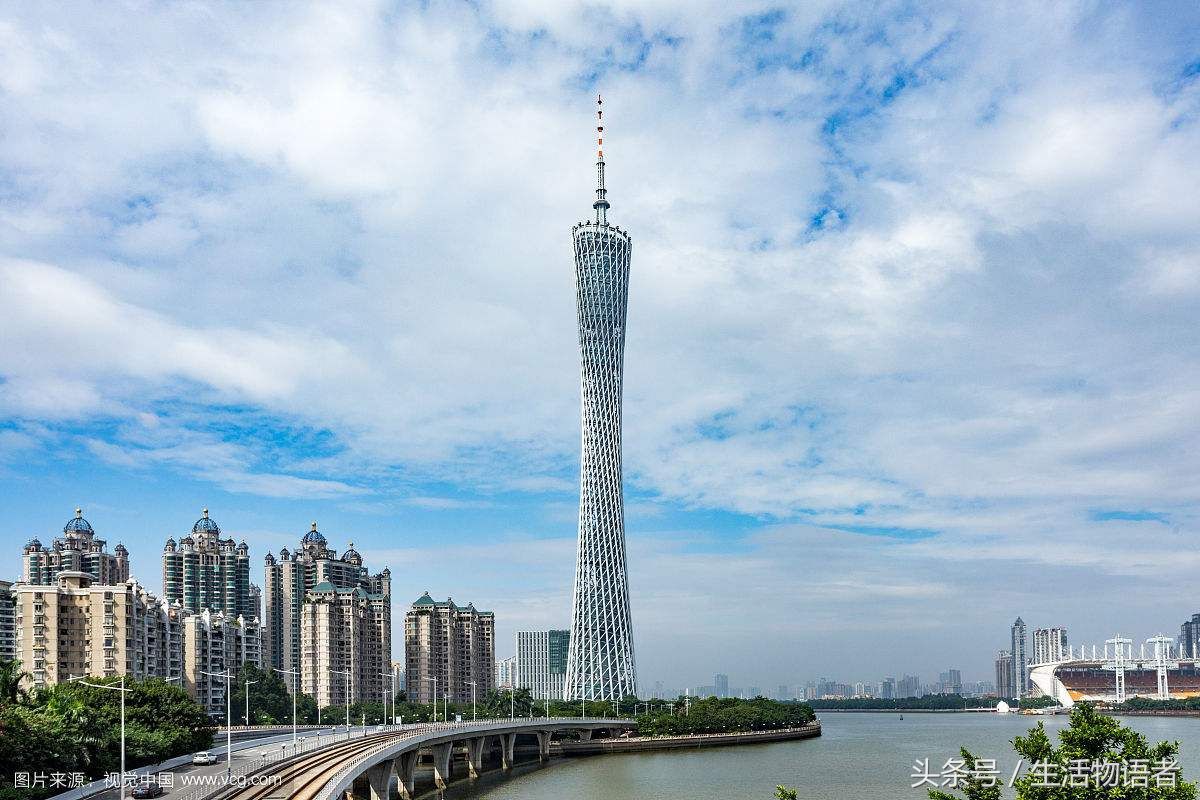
(914, 290)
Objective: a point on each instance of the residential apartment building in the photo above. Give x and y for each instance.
(541, 663)
(205, 571)
(77, 550)
(1005, 685)
(346, 645)
(79, 627)
(1049, 645)
(291, 576)
(212, 644)
(8, 622)
(450, 644)
(1020, 658)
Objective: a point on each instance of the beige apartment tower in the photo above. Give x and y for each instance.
(79, 627)
(289, 578)
(451, 644)
(213, 643)
(346, 645)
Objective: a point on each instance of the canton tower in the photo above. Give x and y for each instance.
(600, 664)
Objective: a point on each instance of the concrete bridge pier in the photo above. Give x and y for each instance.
(543, 738)
(475, 755)
(508, 743)
(585, 734)
(406, 774)
(441, 764)
(379, 778)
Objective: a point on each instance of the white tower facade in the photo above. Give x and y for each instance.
(600, 662)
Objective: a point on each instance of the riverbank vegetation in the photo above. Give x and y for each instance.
(70, 729)
(1148, 704)
(721, 715)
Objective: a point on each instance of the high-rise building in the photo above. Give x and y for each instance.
(345, 645)
(290, 577)
(783, 693)
(451, 645)
(79, 627)
(398, 672)
(887, 689)
(1049, 645)
(1020, 657)
(721, 685)
(213, 643)
(908, 686)
(77, 550)
(207, 572)
(1189, 638)
(601, 663)
(541, 665)
(506, 673)
(1005, 685)
(950, 682)
(8, 622)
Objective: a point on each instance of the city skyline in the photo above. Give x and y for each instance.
(912, 350)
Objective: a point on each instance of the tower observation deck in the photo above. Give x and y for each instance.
(600, 661)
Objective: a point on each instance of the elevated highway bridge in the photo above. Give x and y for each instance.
(382, 765)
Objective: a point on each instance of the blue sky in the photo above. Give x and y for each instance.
(911, 350)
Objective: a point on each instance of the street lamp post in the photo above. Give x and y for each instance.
(347, 674)
(295, 692)
(392, 718)
(434, 679)
(122, 690)
(228, 717)
(474, 716)
(248, 702)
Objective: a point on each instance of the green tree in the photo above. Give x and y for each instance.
(271, 700)
(785, 793)
(11, 675)
(1090, 738)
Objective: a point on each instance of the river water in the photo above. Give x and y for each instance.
(858, 757)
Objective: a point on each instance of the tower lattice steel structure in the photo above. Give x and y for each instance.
(600, 662)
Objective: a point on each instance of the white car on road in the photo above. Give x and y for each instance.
(204, 757)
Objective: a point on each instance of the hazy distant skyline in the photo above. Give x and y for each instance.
(911, 347)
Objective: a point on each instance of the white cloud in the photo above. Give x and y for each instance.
(354, 220)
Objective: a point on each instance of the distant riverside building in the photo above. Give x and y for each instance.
(77, 550)
(506, 672)
(207, 572)
(721, 685)
(398, 672)
(288, 578)
(1049, 645)
(950, 682)
(213, 643)
(783, 693)
(345, 631)
(1020, 657)
(541, 663)
(1189, 638)
(887, 689)
(450, 644)
(908, 686)
(80, 627)
(8, 622)
(1005, 685)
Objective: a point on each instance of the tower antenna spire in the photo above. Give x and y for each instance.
(601, 204)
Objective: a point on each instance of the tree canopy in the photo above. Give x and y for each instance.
(1077, 767)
